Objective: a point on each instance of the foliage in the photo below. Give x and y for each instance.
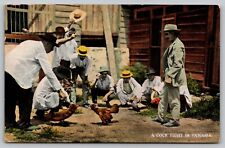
(193, 85)
(151, 112)
(139, 72)
(26, 136)
(48, 132)
(205, 109)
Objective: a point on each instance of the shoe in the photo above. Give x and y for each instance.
(108, 104)
(172, 123)
(11, 125)
(157, 119)
(137, 109)
(86, 105)
(124, 105)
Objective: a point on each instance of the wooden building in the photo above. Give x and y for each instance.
(200, 30)
(136, 27)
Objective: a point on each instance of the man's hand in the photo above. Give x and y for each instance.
(168, 79)
(63, 94)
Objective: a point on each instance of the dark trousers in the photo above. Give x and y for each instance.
(15, 94)
(95, 92)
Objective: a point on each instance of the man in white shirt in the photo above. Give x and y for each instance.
(103, 86)
(152, 83)
(45, 97)
(128, 90)
(22, 64)
(80, 65)
(61, 54)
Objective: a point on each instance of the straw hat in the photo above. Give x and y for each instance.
(126, 74)
(170, 27)
(103, 69)
(82, 50)
(77, 15)
(150, 71)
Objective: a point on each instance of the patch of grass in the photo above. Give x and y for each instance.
(205, 109)
(152, 112)
(49, 133)
(22, 135)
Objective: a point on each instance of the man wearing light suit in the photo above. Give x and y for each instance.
(174, 76)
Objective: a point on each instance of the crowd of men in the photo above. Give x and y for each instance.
(24, 62)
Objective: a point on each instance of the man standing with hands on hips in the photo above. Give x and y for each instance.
(173, 61)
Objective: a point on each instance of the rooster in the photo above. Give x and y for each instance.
(61, 115)
(105, 113)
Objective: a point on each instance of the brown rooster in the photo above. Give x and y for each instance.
(61, 115)
(105, 113)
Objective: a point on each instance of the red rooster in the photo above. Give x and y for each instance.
(105, 113)
(61, 115)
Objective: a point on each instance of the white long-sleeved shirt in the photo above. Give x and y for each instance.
(105, 84)
(41, 95)
(75, 62)
(155, 84)
(135, 87)
(63, 52)
(24, 62)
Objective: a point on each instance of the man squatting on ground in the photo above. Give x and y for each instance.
(128, 90)
(103, 86)
(45, 97)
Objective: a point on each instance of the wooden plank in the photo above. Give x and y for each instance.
(65, 8)
(109, 41)
(62, 14)
(21, 36)
(95, 16)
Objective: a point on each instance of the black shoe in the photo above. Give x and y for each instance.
(11, 125)
(137, 109)
(157, 119)
(124, 105)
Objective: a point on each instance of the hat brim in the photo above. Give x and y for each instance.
(172, 30)
(126, 76)
(82, 54)
(47, 40)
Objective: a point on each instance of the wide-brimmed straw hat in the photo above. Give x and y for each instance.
(49, 37)
(77, 15)
(103, 69)
(126, 74)
(171, 27)
(82, 50)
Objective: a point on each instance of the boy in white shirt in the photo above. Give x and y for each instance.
(103, 86)
(152, 83)
(128, 90)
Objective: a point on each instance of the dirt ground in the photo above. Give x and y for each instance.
(129, 127)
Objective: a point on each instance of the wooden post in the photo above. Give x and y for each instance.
(109, 41)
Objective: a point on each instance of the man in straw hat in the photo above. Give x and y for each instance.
(128, 90)
(151, 84)
(174, 76)
(22, 64)
(80, 65)
(103, 86)
(45, 97)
